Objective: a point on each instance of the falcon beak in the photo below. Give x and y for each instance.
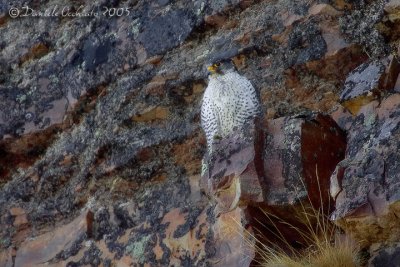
(213, 68)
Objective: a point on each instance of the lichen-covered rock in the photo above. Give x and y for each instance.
(361, 26)
(295, 165)
(102, 113)
(234, 240)
(45, 248)
(300, 155)
(115, 236)
(386, 257)
(369, 81)
(183, 237)
(392, 8)
(365, 184)
(6, 258)
(232, 171)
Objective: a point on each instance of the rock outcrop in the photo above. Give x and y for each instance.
(101, 147)
(366, 183)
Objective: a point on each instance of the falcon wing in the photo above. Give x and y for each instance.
(209, 118)
(249, 101)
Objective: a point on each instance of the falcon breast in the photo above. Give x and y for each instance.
(229, 101)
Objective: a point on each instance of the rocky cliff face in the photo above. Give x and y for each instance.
(101, 148)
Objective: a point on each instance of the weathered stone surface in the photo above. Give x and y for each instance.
(184, 156)
(368, 81)
(71, 90)
(386, 257)
(366, 183)
(235, 245)
(361, 27)
(20, 221)
(337, 59)
(392, 6)
(112, 236)
(397, 85)
(45, 248)
(215, 20)
(164, 32)
(6, 258)
(150, 233)
(16, 211)
(152, 113)
(323, 9)
(300, 155)
(233, 172)
(298, 159)
(187, 245)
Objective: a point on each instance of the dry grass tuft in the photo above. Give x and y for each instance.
(321, 242)
(322, 250)
(323, 255)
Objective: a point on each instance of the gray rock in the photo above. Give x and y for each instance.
(386, 257)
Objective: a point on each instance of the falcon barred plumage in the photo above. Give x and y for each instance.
(229, 101)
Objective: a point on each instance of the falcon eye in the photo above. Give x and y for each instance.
(217, 64)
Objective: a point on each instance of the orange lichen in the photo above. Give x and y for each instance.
(354, 105)
(36, 51)
(152, 113)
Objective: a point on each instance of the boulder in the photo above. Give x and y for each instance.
(44, 248)
(6, 258)
(234, 241)
(366, 184)
(369, 81)
(386, 256)
(232, 171)
(300, 156)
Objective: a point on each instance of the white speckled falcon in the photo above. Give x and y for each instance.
(229, 101)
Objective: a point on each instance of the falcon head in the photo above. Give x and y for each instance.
(221, 67)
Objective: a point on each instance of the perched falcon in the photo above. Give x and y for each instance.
(229, 101)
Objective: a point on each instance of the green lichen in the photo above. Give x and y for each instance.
(370, 120)
(201, 9)
(204, 167)
(137, 249)
(203, 55)
(4, 242)
(136, 27)
(54, 78)
(21, 98)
